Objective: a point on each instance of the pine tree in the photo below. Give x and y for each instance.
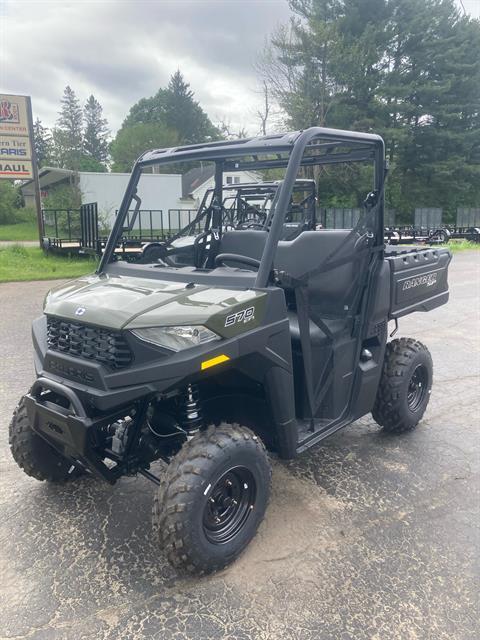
(434, 87)
(68, 133)
(407, 69)
(43, 143)
(95, 138)
(176, 109)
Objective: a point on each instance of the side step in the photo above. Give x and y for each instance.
(321, 429)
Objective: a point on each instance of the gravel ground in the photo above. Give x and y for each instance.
(367, 536)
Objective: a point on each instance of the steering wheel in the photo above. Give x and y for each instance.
(249, 225)
(235, 257)
(156, 252)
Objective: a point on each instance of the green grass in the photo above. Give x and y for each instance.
(19, 232)
(456, 246)
(29, 263)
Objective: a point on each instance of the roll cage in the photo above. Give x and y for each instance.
(290, 151)
(247, 202)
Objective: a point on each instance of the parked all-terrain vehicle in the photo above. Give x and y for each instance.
(261, 344)
(244, 206)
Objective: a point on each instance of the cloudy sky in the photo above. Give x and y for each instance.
(123, 50)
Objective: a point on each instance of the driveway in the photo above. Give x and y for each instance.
(367, 536)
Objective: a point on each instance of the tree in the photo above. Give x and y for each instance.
(264, 113)
(68, 133)
(407, 69)
(130, 142)
(228, 133)
(95, 137)
(433, 89)
(297, 65)
(184, 115)
(174, 108)
(87, 163)
(43, 143)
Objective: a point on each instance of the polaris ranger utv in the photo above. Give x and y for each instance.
(263, 344)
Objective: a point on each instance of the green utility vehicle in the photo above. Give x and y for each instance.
(261, 344)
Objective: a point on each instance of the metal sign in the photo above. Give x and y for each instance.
(15, 148)
(16, 138)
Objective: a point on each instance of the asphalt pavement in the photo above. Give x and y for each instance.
(368, 536)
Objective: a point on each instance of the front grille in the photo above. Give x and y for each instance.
(82, 341)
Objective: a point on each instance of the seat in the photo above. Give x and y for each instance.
(331, 292)
(247, 242)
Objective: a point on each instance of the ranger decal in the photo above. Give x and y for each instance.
(429, 279)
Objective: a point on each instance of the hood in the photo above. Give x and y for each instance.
(119, 302)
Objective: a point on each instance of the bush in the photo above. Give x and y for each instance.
(25, 214)
(63, 197)
(8, 202)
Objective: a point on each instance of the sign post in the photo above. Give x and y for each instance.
(17, 148)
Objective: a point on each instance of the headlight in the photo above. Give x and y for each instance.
(176, 338)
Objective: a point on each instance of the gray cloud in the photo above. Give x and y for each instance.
(124, 50)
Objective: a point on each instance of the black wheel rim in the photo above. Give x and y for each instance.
(229, 505)
(417, 387)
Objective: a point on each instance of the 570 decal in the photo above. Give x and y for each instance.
(241, 316)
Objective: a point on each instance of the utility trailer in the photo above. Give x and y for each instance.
(472, 234)
(407, 235)
(467, 226)
(79, 230)
(262, 344)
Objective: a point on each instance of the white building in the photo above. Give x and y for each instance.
(158, 191)
(197, 181)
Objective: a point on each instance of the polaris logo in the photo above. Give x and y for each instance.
(428, 280)
(242, 316)
(67, 370)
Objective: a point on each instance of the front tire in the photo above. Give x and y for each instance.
(212, 498)
(33, 454)
(405, 385)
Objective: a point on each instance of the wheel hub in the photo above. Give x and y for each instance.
(229, 505)
(417, 387)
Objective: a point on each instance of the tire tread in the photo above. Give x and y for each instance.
(25, 445)
(174, 495)
(387, 411)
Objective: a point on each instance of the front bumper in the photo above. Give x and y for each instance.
(70, 431)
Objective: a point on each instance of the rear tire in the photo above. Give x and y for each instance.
(33, 454)
(212, 498)
(405, 386)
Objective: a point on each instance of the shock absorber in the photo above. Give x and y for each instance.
(192, 418)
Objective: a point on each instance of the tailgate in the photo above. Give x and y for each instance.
(418, 280)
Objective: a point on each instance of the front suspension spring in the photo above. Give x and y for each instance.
(192, 418)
